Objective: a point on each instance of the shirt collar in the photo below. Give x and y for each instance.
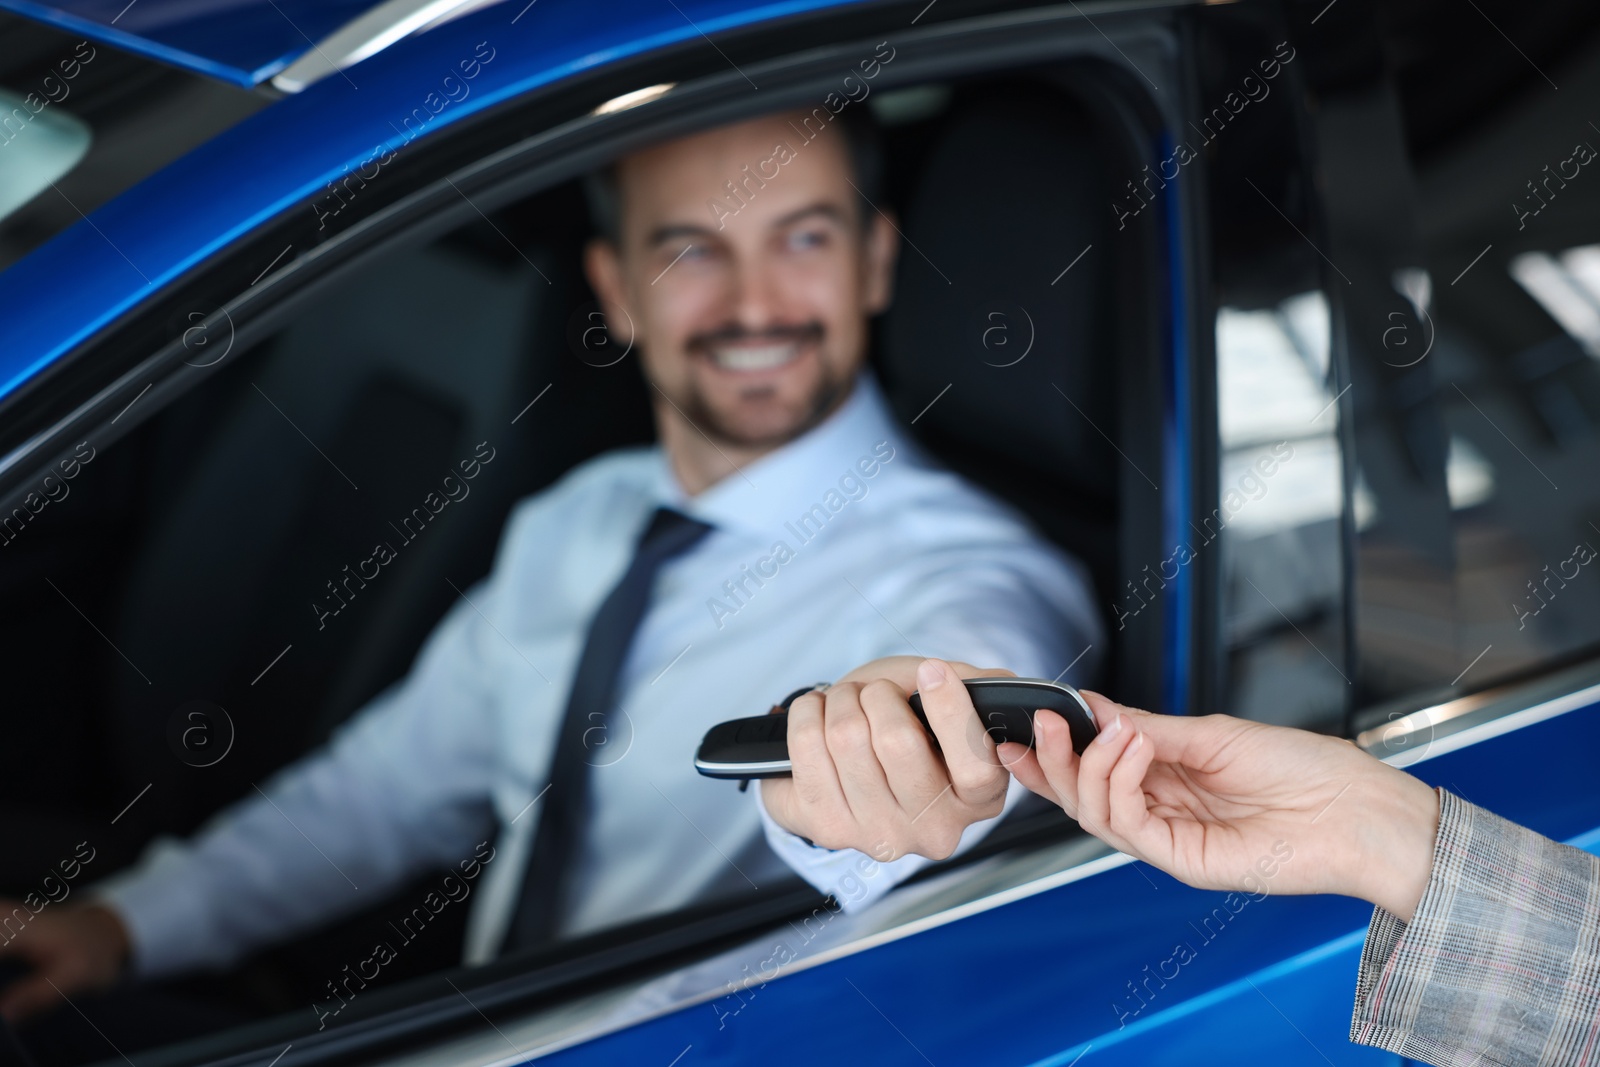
(784, 482)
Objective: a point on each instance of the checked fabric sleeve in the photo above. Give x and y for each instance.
(1501, 962)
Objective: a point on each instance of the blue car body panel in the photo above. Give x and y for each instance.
(241, 41)
(92, 273)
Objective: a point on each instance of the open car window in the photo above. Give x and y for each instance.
(212, 604)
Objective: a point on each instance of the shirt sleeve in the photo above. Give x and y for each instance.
(1027, 610)
(398, 787)
(1501, 962)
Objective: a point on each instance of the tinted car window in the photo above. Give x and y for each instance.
(1275, 528)
(121, 116)
(1509, 210)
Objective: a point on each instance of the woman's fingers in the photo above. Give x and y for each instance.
(1105, 709)
(1130, 820)
(1094, 773)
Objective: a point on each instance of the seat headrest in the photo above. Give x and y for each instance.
(1014, 188)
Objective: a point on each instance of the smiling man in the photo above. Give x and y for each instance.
(557, 707)
(756, 321)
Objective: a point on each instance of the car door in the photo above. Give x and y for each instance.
(1052, 949)
(154, 326)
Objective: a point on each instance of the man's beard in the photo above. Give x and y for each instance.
(725, 430)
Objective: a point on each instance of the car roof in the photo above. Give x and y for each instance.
(127, 251)
(241, 41)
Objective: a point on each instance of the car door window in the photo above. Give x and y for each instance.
(225, 609)
(1275, 529)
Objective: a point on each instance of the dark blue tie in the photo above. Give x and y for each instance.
(564, 809)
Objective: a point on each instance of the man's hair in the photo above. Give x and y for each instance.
(863, 142)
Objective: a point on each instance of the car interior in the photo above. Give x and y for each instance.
(209, 524)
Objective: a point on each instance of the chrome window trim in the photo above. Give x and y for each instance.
(393, 21)
(368, 34)
(1451, 725)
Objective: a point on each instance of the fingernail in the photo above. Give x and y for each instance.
(1138, 739)
(1112, 730)
(929, 675)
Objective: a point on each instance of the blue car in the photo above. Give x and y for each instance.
(1283, 316)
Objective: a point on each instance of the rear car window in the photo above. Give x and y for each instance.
(80, 122)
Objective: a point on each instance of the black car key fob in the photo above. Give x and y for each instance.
(758, 747)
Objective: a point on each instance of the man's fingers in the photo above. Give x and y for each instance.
(13, 945)
(902, 671)
(1052, 740)
(914, 771)
(27, 996)
(816, 779)
(849, 734)
(1023, 762)
(969, 753)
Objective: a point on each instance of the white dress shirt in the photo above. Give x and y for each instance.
(844, 545)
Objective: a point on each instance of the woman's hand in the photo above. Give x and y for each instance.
(1219, 802)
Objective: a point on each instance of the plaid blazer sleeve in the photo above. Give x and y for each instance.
(1501, 962)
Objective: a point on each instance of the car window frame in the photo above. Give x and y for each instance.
(575, 140)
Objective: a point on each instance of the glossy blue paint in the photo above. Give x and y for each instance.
(241, 41)
(1042, 979)
(97, 270)
(1193, 1032)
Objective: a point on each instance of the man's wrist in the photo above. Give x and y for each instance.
(110, 930)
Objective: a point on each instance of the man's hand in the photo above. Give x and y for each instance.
(1219, 802)
(72, 949)
(867, 775)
